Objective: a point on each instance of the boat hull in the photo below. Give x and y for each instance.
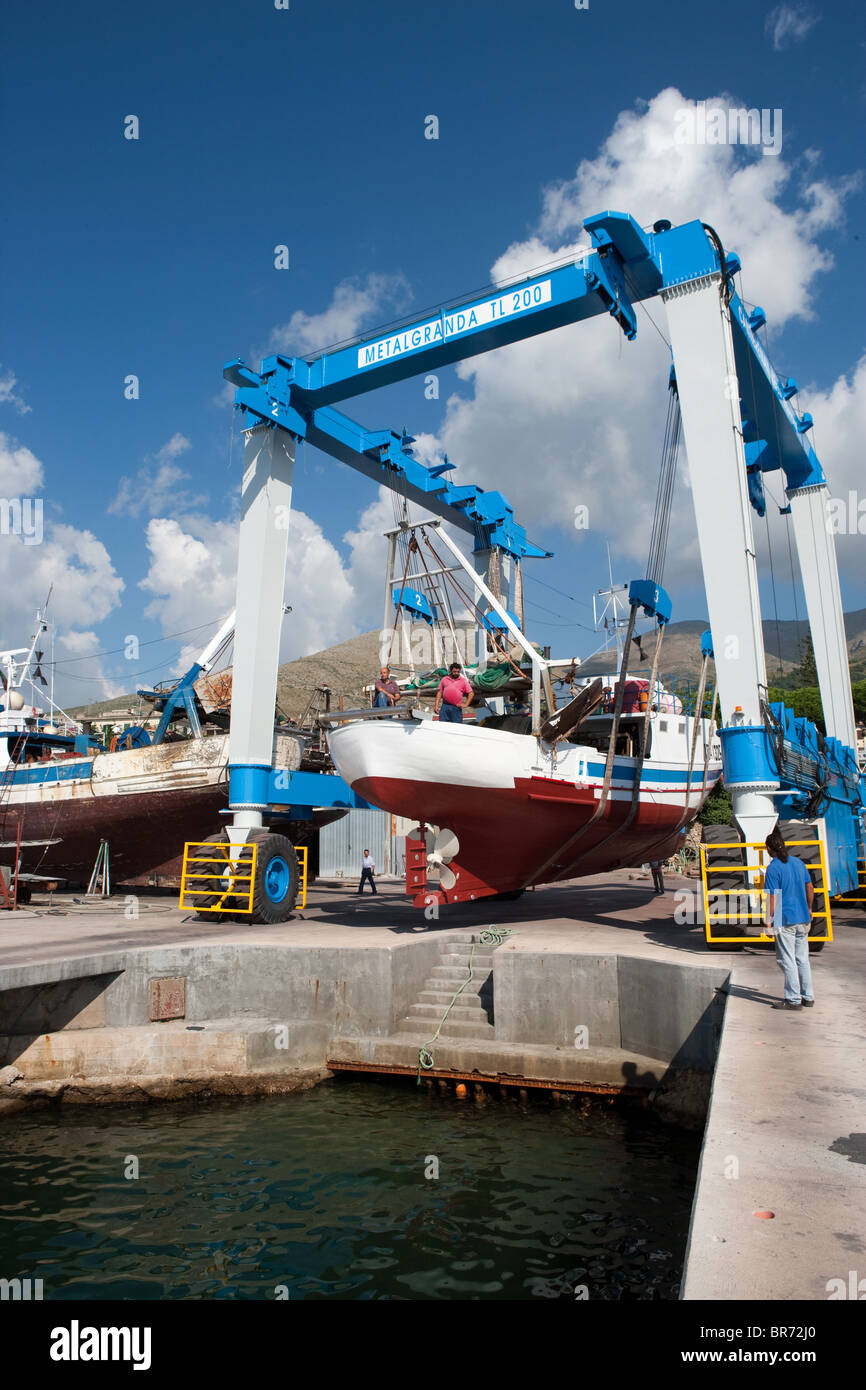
(522, 812)
(146, 802)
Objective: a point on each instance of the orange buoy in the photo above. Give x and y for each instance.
(765, 1215)
(460, 1090)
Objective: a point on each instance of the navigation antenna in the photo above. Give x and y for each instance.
(612, 616)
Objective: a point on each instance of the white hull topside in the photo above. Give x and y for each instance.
(381, 754)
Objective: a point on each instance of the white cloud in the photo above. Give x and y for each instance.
(840, 428)
(576, 416)
(787, 25)
(192, 577)
(158, 485)
(84, 681)
(21, 473)
(8, 393)
(352, 303)
(72, 563)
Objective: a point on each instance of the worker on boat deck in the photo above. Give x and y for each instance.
(387, 692)
(453, 695)
(368, 868)
(788, 915)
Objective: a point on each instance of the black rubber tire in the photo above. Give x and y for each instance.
(270, 848)
(815, 947)
(509, 897)
(712, 835)
(213, 884)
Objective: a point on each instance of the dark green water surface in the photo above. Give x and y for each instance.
(324, 1193)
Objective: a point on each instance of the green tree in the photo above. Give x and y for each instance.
(805, 701)
(717, 809)
(807, 672)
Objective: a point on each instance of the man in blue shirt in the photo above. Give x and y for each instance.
(788, 915)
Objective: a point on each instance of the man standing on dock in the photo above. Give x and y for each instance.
(658, 877)
(368, 869)
(788, 915)
(453, 695)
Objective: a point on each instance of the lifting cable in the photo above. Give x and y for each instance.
(444, 600)
(608, 766)
(664, 492)
(642, 748)
(412, 545)
(655, 572)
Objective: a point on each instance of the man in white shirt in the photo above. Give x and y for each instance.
(367, 870)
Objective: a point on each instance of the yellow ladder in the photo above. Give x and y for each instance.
(752, 889)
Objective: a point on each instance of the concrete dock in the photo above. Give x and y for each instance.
(599, 986)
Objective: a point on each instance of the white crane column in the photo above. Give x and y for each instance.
(816, 548)
(266, 498)
(705, 368)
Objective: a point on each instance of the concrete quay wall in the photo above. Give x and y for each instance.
(252, 1009)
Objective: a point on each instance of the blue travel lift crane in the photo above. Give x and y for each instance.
(739, 423)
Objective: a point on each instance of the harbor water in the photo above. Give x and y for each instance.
(352, 1190)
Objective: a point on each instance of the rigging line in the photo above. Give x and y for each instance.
(160, 666)
(791, 562)
(652, 558)
(787, 517)
(473, 608)
(640, 305)
(567, 622)
(151, 641)
(398, 608)
(766, 515)
(530, 578)
(445, 604)
(672, 476)
(664, 492)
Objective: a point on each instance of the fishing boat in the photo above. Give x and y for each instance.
(62, 792)
(512, 810)
(509, 799)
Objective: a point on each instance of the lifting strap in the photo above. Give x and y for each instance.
(608, 766)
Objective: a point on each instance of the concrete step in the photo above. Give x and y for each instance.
(600, 1066)
(475, 1030)
(482, 960)
(469, 999)
(451, 983)
(433, 1012)
(457, 975)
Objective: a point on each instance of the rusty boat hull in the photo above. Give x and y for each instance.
(146, 802)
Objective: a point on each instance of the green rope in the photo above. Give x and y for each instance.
(489, 936)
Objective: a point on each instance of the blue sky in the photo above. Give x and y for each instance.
(305, 127)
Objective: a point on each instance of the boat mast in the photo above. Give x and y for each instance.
(616, 596)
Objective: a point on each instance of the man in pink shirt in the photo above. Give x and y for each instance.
(453, 695)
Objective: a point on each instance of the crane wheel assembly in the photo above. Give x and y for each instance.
(734, 895)
(276, 877)
(256, 880)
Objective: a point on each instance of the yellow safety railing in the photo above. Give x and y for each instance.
(858, 894)
(302, 852)
(236, 876)
(755, 889)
